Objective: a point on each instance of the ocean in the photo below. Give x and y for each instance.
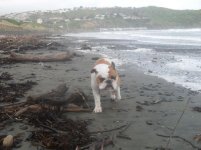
(173, 54)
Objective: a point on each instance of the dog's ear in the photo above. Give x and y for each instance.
(94, 71)
(113, 65)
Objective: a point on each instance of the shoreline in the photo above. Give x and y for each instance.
(149, 104)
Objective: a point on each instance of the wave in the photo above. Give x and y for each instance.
(170, 36)
(186, 64)
(143, 50)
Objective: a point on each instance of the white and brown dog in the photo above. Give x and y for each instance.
(104, 76)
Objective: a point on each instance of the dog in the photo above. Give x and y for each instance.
(104, 76)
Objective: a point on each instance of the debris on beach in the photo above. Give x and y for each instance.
(60, 56)
(60, 97)
(12, 91)
(52, 131)
(5, 76)
(197, 138)
(20, 43)
(57, 133)
(86, 47)
(197, 108)
(139, 108)
(14, 47)
(147, 103)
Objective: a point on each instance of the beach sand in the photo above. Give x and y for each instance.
(149, 105)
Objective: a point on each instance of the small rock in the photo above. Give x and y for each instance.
(149, 122)
(139, 108)
(95, 58)
(86, 47)
(8, 141)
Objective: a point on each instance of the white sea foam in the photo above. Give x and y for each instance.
(143, 50)
(171, 36)
(174, 66)
(186, 64)
(182, 80)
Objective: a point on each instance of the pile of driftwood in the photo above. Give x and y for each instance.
(52, 129)
(23, 43)
(16, 45)
(20, 43)
(61, 56)
(44, 111)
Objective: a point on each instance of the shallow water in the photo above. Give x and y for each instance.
(174, 55)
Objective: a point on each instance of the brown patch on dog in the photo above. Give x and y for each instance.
(94, 71)
(99, 79)
(113, 74)
(102, 61)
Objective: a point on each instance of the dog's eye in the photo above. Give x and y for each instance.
(102, 79)
(113, 77)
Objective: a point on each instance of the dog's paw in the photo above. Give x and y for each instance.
(98, 109)
(113, 97)
(118, 98)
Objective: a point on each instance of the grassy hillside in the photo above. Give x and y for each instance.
(82, 19)
(11, 25)
(167, 18)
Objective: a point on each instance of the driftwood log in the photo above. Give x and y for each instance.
(60, 99)
(61, 56)
(69, 99)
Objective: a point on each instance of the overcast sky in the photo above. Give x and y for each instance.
(8, 6)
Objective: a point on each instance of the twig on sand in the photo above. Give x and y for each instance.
(126, 127)
(77, 110)
(83, 97)
(53, 129)
(13, 105)
(100, 144)
(122, 135)
(179, 137)
(109, 130)
(128, 98)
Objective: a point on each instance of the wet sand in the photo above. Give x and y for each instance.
(150, 105)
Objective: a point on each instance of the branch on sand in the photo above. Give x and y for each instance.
(61, 56)
(178, 137)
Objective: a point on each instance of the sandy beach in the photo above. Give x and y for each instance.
(160, 114)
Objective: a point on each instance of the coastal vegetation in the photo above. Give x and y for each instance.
(85, 19)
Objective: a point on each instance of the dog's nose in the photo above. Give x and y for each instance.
(109, 81)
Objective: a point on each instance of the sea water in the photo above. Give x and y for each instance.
(174, 54)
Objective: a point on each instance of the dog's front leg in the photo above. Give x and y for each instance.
(96, 94)
(113, 95)
(118, 92)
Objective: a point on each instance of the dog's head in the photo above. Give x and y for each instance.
(106, 75)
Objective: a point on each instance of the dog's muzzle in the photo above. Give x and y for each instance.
(109, 84)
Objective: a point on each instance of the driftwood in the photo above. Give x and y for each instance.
(32, 108)
(38, 107)
(60, 97)
(62, 56)
(54, 97)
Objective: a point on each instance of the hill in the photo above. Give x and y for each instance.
(82, 19)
